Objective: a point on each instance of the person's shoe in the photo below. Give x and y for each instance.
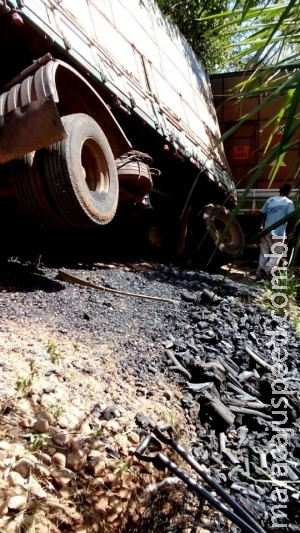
(264, 274)
(257, 277)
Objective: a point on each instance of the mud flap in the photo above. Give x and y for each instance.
(29, 128)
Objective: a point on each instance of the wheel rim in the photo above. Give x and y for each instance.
(227, 239)
(82, 174)
(211, 233)
(94, 167)
(219, 226)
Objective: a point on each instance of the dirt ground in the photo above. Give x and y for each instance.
(80, 368)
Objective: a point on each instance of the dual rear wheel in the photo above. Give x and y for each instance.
(72, 183)
(207, 238)
(75, 184)
(216, 236)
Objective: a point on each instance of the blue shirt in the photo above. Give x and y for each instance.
(274, 209)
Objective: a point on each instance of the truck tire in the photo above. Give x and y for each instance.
(206, 230)
(32, 192)
(134, 176)
(81, 173)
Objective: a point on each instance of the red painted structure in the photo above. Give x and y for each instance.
(245, 148)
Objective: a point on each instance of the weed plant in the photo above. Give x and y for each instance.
(24, 383)
(55, 356)
(287, 286)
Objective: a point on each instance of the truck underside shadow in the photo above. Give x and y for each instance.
(106, 102)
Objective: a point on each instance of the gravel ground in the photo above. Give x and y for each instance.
(82, 369)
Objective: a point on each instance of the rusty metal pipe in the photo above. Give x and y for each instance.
(28, 71)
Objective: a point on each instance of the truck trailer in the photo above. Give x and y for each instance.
(247, 126)
(105, 112)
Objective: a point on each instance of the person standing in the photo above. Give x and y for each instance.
(272, 245)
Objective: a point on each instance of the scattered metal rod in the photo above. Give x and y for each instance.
(245, 411)
(227, 344)
(258, 359)
(246, 403)
(218, 407)
(240, 517)
(244, 491)
(247, 465)
(263, 460)
(230, 362)
(217, 460)
(177, 365)
(222, 442)
(224, 450)
(242, 435)
(211, 365)
(231, 457)
(201, 491)
(240, 391)
(233, 379)
(228, 367)
(196, 387)
(67, 276)
(244, 376)
(239, 488)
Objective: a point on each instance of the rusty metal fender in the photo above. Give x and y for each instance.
(30, 110)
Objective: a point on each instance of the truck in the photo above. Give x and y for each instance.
(247, 144)
(106, 114)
